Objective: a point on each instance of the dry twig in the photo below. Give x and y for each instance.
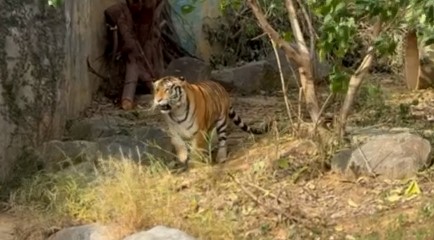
(290, 216)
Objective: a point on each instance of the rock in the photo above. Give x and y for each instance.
(56, 155)
(161, 233)
(84, 232)
(394, 156)
(340, 160)
(97, 127)
(362, 135)
(144, 144)
(289, 68)
(249, 78)
(191, 68)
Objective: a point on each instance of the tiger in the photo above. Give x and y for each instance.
(193, 110)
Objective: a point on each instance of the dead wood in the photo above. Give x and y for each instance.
(357, 78)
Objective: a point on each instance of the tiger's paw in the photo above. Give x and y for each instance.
(222, 156)
(180, 168)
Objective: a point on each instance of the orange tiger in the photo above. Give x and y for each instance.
(193, 110)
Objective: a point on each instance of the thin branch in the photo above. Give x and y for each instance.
(357, 78)
(292, 52)
(295, 26)
(282, 80)
(291, 216)
(266, 207)
(312, 34)
(323, 108)
(92, 70)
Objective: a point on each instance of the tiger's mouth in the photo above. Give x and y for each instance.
(165, 108)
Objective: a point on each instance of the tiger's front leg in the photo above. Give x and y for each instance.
(199, 145)
(181, 150)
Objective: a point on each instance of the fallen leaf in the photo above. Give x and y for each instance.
(393, 198)
(352, 203)
(412, 189)
(339, 228)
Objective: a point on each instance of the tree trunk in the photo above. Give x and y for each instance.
(411, 60)
(299, 55)
(356, 80)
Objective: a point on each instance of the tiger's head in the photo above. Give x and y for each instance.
(169, 94)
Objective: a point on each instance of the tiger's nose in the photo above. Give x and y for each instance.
(161, 102)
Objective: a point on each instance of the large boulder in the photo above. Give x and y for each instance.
(56, 155)
(250, 78)
(393, 156)
(289, 68)
(160, 233)
(84, 232)
(191, 68)
(143, 144)
(97, 127)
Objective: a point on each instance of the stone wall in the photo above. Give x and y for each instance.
(43, 71)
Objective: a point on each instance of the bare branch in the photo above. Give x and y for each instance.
(282, 79)
(295, 26)
(299, 54)
(92, 70)
(291, 52)
(357, 78)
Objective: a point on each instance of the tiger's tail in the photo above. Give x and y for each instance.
(240, 123)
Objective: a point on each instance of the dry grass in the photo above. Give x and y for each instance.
(126, 194)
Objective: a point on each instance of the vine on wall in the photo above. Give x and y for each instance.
(31, 68)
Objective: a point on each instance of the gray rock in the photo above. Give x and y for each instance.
(56, 155)
(192, 69)
(394, 156)
(340, 160)
(143, 144)
(362, 135)
(84, 232)
(289, 68)
(97, 127)
(249, 78)
(161, 233)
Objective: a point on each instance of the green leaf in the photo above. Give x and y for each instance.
(287, 36)
(283, 163)
(429, 41)
(187, 8)
(338, 81)
(340, 6)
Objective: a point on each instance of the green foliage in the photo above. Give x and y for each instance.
(238, 34)
(55, 3)
(343, 31)
(190, 6)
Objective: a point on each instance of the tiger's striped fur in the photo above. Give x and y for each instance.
(193, 110)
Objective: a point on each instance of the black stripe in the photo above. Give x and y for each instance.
(245, 128)
(231, 113)
(186, 114)
(222, 138)
(237, 120)
(219, 128)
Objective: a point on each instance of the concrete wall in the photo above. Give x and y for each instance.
(43, 71)
(189, 26)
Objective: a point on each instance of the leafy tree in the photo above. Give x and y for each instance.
(341, 21)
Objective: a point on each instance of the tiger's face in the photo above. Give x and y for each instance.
(169, 94)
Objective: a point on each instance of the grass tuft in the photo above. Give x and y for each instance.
(123, 193)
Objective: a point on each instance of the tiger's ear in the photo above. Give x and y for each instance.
(182, 78)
